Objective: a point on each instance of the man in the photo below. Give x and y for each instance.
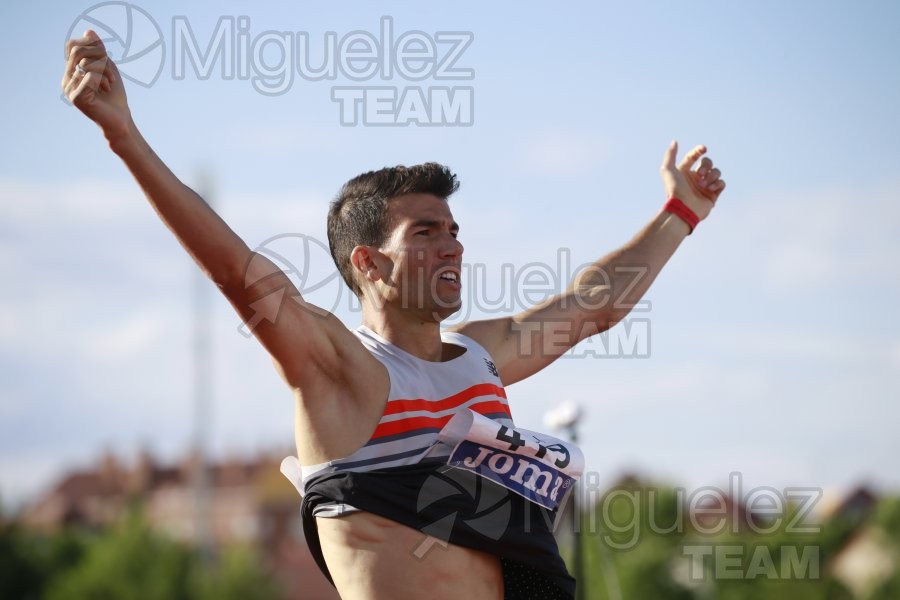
(395, 242)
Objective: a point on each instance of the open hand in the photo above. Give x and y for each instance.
(698, 189)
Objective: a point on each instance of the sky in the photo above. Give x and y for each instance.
(769, 345)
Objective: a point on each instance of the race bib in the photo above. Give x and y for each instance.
(537, 466)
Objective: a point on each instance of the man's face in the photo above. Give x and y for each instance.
(426, 255)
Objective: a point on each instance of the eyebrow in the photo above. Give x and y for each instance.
(432, 223)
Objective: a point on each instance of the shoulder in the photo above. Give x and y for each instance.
(455, 337)
(476, 355)
(488, 335)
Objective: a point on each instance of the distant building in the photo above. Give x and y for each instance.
(723, 513)
(855, 506)
(250, 502)
(866, 561)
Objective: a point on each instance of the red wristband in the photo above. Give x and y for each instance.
(680, 210)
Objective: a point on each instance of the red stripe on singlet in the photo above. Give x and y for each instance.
(409, 424)
(482, 389)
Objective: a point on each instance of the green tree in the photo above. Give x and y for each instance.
(237, 576)
(131, 562)
(20, 577)
(29, 560)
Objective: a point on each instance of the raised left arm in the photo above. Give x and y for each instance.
(604, 293)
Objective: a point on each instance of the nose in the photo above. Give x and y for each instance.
(453, 247)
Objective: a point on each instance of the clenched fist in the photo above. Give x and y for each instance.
(92, 83)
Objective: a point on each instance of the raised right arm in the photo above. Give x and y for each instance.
(297, 335)
(305, 342)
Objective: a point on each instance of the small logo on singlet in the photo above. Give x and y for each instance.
(491, 367)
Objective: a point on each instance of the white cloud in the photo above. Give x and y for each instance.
(9, 325)
(809, 240)
(799, 265)
(268, 140)
(23, 476)
(35, 203)
(121, 341)
(32, 206)
(563, 152)
(783, 344)
(894, 353)
(273, 213)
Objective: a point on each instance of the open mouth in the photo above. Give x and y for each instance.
(451, 277)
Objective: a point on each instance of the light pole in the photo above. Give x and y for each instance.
(202, 396)
(566, 416)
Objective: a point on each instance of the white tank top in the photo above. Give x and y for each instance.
(423, 396)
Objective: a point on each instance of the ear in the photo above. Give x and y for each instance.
(366, 261)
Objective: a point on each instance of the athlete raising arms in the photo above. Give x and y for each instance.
(360, 394)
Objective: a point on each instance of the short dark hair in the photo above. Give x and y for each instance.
(358, 215)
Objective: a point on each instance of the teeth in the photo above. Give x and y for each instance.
(449, 276)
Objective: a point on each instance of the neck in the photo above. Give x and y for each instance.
(414, 335)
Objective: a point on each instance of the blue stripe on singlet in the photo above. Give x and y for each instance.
(402, 435)
(381, 459)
